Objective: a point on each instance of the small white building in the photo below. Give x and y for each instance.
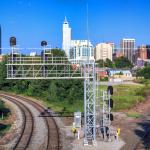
(119, 73)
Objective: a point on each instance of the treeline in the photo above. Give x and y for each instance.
(144, 72)
(120, 63)
(67, 91)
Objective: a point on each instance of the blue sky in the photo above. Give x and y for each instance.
(31, 21)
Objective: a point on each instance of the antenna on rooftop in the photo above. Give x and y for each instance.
(87, 21)
(87, 27)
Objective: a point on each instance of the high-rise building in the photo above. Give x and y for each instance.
(112, 45)
(76, 49)
(0, 40)
(142, 52)
(103, 51)
(82, 50)
(119, 54)
(128, 47)
(66, 44)
(148, 51)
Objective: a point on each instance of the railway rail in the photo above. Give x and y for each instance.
(28, 125)
(53, 134)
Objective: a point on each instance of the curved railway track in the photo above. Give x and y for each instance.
(28, 124)
(53, 138)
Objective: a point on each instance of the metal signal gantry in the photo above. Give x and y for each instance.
(46, 66)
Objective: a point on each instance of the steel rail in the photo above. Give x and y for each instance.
(28, 125)
(53, 135)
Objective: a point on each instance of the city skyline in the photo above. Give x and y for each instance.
(32, 21)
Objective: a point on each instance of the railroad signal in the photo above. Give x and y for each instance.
(111, 103)
(12, 41)
(110, 90)
(43, 43)
(110, 116)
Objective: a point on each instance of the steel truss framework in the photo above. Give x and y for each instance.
(48, 67)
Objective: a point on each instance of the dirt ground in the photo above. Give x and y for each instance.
(126, 124)
(129, 125)
(10, 120)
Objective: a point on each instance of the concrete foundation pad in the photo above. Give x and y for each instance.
(100, 145)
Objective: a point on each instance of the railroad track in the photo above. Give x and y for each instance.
(28, 124)
(144, 143)
(53, 135)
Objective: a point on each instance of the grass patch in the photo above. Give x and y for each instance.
(134, 115)
(58, 106)
(4, 128)
(126, 96)
(4, 111)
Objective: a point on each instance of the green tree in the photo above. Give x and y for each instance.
(100, 63)
(122, 62)
(69, 91)
(108, 63)
(145, 72)
(58, 52)
(53, 91)
(4, 84)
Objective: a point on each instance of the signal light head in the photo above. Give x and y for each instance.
(12, 41)
(110, 90)
(43, 43)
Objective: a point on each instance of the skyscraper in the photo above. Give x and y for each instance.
(128, 47)
(66, 43)
(103, 51)
(112, 45)
(0, 41)
(76, 49)
(148, 51)
(142, 52)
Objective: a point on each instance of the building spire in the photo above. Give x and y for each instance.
(65, 21)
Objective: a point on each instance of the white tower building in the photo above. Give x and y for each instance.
(66, 44)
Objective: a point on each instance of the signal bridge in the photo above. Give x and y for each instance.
(46, 66)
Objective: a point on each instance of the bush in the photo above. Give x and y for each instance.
(145, 72)
(104, 79)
